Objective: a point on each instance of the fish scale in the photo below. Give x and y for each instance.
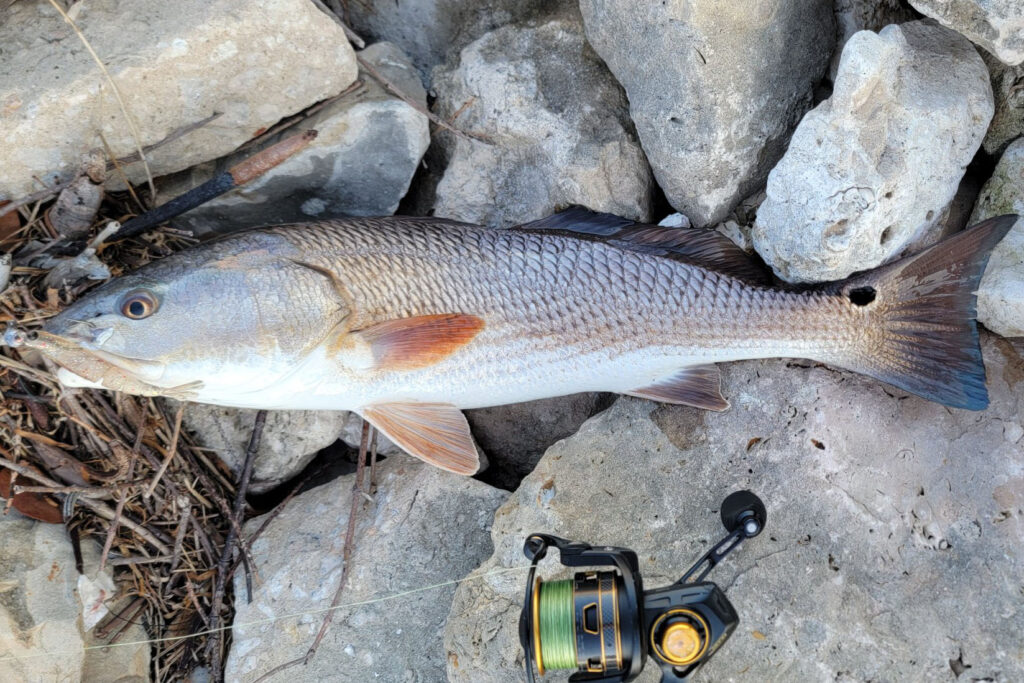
(408, 320)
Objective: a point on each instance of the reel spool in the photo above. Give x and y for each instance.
(602, 624)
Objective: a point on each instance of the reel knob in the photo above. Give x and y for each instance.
(681, 643)
(744, 509)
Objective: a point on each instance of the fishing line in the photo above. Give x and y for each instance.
(358, 603)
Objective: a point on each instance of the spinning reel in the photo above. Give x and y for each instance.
(602, 624)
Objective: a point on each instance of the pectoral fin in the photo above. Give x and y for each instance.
(698, 386)
(420, 341)
(436, 433)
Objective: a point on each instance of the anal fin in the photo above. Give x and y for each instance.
(436, 433)
(699, 386)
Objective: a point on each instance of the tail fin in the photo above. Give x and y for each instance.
(925, 337)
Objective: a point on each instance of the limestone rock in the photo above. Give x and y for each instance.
(996, 25)
(895, 534)
(175, 63)
(291, 438)
(1008, 89)
(559, 126)
(864, 15)
(715, 88)
(515, 436)
(876, 164)
(41, 611)
(425, 527)
(361, 163)
(430, 31)
(1001, 294)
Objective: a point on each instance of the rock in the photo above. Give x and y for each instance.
(514, 437)
(864, 15)
(996, 25)
(1001, 294)
(425, 527)
(1008, 88)
(429, 31)
(361, 163)
(877, 163)
(291, 438)
(559, 126)
(895, 534)
(175, 63)
(714, 88)
(42, 608)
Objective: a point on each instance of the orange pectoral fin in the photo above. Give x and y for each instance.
(421, 341)
(436, 433)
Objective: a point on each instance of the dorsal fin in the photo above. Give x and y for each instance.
(702, 247)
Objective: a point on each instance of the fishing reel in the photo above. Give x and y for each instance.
(603, 625)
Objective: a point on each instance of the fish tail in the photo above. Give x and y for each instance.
(923, 335)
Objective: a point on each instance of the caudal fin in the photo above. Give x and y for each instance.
(924, 336)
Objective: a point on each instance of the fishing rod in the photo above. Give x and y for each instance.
(602, 624)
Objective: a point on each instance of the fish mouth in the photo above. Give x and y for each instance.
(77, 351)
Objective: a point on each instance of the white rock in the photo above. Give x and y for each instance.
(425, 527)
(876, 164)
(429, 31)
(996, 25)
(674, 220)
(291, 438)
(1008, 89)
(42, 608)
(864, 15)
(361, 163)
(715, 88)
(894, 542)
(1001, 294)
(559, 126)
(175, 63)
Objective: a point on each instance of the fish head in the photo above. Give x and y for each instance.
(203, 317)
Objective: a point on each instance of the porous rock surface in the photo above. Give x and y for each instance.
(894, 546)
(876, 164)
(865, 15)
(1001, 294)
(424, 527)
(556, 124)
(174, 63)
(41, 610)
(996, 25)
(715, 88)
(431, 30)
(290, 440)
(1008, 90)
(368, 146)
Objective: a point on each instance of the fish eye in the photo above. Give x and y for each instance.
(138, 305)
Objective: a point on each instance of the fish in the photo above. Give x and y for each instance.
(408, 321)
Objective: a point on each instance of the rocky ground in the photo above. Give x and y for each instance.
(829, 136)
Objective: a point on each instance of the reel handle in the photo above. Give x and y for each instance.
(743, 516)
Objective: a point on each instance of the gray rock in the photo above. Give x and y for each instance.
(291, 438)
(895, 536)
(1001, 294)
(1008, 88)
(41, 610)
(996, 25)
(559, 126)
(516, 436)
(425, 527)
(876, 164)
(864, 15)
(715, 88)
(175, 63)
(361, 163)
(430, 31)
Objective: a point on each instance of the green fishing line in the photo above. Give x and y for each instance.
(557, 633)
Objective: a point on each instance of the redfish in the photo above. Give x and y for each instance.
(407, 321)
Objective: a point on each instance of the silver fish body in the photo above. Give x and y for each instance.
(408, 320)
